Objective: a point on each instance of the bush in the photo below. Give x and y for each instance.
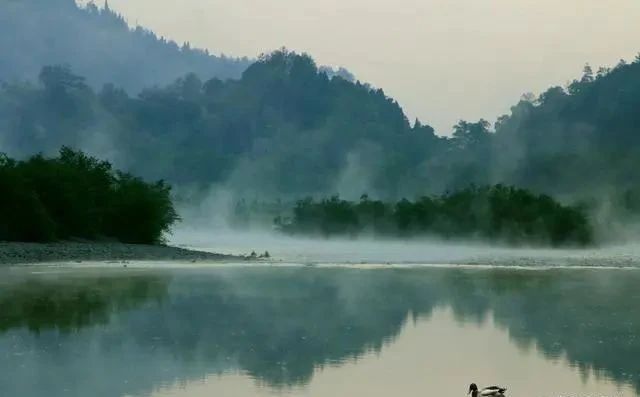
(149, 204)
(22, 214)
(495, 213)
(78, 196)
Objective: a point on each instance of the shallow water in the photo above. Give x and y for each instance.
(309, 331)
(419, 251)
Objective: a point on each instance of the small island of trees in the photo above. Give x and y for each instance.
(75, 196)
(499, 213)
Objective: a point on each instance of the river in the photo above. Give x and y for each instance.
(285, 329)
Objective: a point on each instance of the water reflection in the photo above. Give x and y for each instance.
(138, 333)
(71, 303)
(419, 363)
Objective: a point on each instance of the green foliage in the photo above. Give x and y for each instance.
(285, 128)
(471, 135)
(77, 196)
(289, 129)
(498, 213)
(23, 216)
(149, 204)
(579, 140)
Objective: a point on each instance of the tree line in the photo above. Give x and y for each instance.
(499, 213)
(282, 126)
(253, 133)
(77, 196)
(288, 128)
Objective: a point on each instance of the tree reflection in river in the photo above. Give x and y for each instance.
(278, 325)
(70, 304)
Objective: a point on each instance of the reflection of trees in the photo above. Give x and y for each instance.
(589, 316)
(279, 325)
(71, 304)
(308, 318)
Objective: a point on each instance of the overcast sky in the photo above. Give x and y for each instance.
(443, 60)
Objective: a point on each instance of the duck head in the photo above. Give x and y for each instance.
(473, 390)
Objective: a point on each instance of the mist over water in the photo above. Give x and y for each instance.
(283, 248)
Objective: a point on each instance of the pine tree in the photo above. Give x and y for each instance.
(587, 74)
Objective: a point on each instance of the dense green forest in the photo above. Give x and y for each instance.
(498, 214)
(288, 129)
(284, 128)
(580, 138)
(77, 196)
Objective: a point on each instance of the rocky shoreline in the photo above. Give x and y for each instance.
(24, 253)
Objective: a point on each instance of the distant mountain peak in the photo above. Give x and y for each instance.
(98, 43)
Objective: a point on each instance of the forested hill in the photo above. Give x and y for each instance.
(284, 128)
(99, 45)
(581, 138)
(287, 129)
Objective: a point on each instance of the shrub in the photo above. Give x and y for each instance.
(496, 213)
(78, 196)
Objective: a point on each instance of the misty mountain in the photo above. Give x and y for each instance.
(287, 128)
(583, 138)
(283, 128)
(98, 44)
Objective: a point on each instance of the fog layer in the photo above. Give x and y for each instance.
(419, 251)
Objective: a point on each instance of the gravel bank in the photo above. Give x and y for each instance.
(21, 253)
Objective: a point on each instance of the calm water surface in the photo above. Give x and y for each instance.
(308, 331)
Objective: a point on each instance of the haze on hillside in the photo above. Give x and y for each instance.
(285, 128)
(443, 60)
(99, 45)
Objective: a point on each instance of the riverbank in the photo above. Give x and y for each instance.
(22, 253)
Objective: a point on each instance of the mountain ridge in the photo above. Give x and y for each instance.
(98, 44)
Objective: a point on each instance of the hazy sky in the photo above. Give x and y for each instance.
(443, 60)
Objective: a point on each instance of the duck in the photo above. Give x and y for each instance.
(491, 391)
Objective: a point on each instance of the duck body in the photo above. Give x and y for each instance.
(491, 391)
